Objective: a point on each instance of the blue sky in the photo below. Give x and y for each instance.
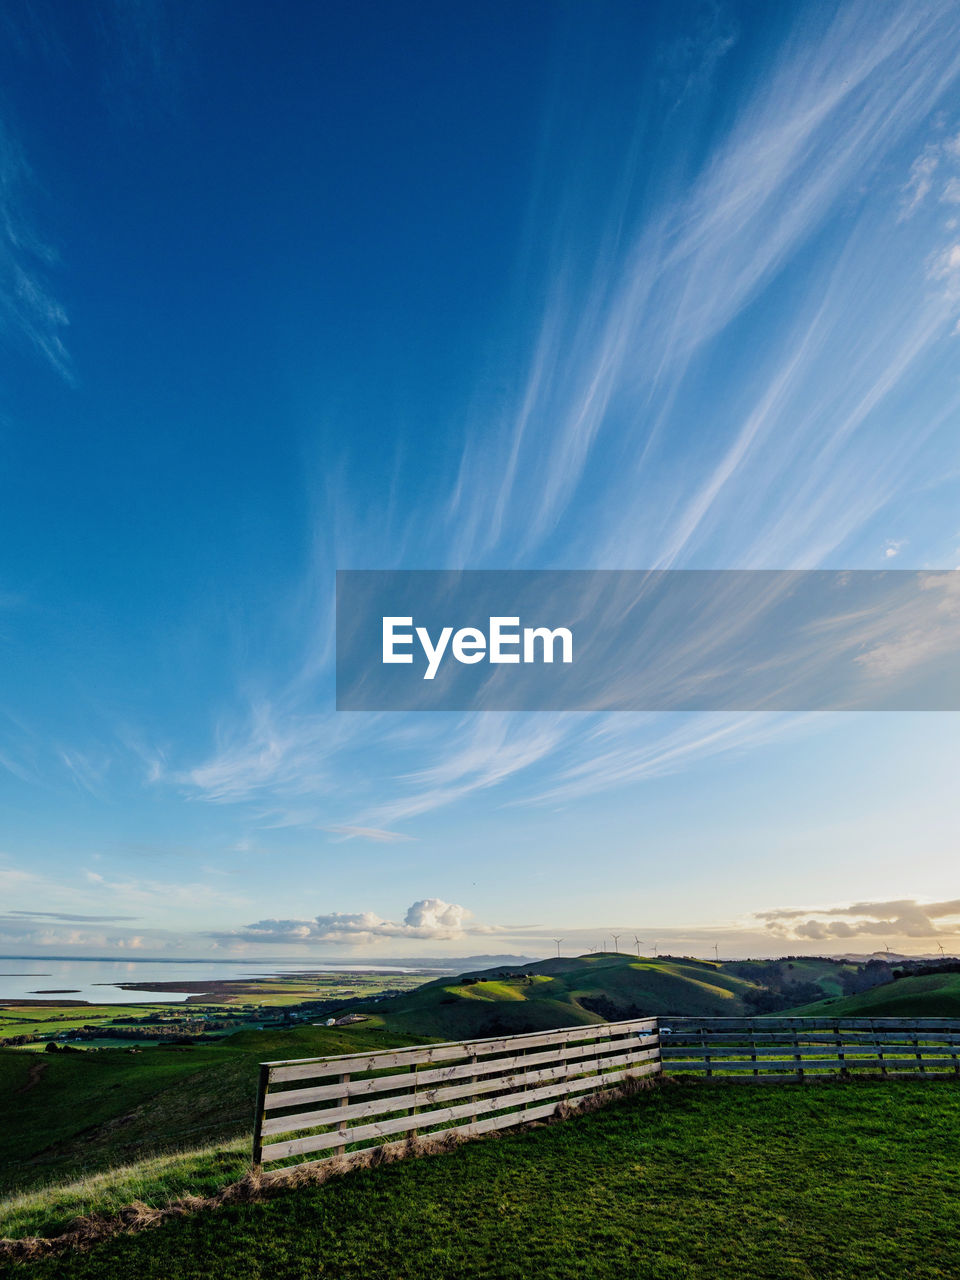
(430, 286)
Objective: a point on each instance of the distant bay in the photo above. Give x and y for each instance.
(94, 980)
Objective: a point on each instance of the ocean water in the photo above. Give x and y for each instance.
(94, 980)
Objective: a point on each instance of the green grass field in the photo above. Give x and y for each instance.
(699, 1182)
(48, 1018)
(935, 995)
(154, 1180)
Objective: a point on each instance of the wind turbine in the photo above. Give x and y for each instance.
(940, 945)
(716, 951)
(655, 945)
(637, 941)
(616, 941)
(558, 941)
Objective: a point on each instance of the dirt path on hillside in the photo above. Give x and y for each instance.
(34, 1072)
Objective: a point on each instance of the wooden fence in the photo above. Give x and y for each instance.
(324, 1107)
(776, 1049)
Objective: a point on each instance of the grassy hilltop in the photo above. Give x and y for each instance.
(565, 992)
(933, 995)
(605, 987)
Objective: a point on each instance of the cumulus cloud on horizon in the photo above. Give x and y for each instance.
(902, 917)
(430, 918)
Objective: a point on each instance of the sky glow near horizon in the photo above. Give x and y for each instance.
(371, 286)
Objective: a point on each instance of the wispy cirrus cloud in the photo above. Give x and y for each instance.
(64, 915)
(88, 771)
(276, 751)
(611, 357)
(614, 449)
(935, 169)
(30, 314)
(922, 636)
(137, 43)
(376, 834)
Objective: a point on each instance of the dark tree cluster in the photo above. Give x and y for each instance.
(865, 977)
(773, 1000)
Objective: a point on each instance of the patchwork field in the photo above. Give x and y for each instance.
(214, 1007)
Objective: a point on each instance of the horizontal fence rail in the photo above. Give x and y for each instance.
(771, 1049)
(313, 1109)
(324, 1107)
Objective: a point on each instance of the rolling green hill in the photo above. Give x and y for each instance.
(784, 975)
(566, 992)
(934, 995)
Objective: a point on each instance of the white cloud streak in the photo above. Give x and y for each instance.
(29, 313)
(833, 142)
(817, 128)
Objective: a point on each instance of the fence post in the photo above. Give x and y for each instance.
(841, 1056)
(414, 1109)
(263, 1083)
(797, 1056)
(343, 1102)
